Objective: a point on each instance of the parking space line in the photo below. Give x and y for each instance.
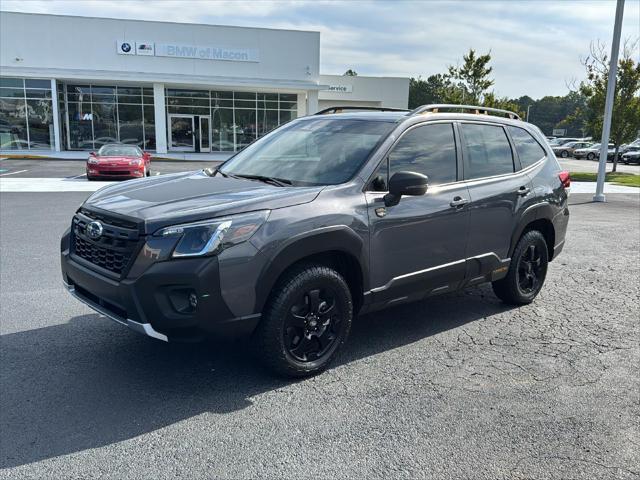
(77, 176)
(12, 173)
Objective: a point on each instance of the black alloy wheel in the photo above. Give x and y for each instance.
(305, 322)
(527, 270)
(313, 325)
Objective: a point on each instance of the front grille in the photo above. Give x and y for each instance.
(114, 250)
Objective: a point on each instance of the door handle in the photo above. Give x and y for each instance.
(522, 191)
(458, 202)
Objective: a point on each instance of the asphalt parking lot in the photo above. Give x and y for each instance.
(459, 386)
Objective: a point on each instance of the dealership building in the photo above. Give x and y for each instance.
(71, 83)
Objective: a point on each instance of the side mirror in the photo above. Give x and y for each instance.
(405, 183)
(92, 154)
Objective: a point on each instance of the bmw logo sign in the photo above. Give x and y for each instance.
(94, 230)
(125, 47)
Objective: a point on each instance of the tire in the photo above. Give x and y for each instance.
(564, 154)
(294, 327)
(148, 173)
(591, 156)
(527, 271)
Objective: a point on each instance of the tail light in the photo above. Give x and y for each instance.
(565, 179)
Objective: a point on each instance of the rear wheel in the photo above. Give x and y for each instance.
(527, 271)
(306, 321)
(591, 156)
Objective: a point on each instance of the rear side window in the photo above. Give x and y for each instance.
(430, 150)
(529, 150)
(488, 151)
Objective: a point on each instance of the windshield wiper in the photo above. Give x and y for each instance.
(280, 182)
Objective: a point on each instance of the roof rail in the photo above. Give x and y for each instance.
(339, 109)
(478, 110)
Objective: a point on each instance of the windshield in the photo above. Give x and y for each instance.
(119, 151)
(316, 151)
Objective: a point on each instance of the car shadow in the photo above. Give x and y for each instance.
(89, 383)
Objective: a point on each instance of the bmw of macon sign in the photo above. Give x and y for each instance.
(177, 50)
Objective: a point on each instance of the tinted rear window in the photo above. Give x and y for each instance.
(529, 150)
(488, 152)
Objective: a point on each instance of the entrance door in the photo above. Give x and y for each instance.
(205, 134)
(181, 133)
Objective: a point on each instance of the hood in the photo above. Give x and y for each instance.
(191, 196)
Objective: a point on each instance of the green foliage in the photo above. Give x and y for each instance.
(350, 73)
(625, 121)
(422, 92)
(471, 81)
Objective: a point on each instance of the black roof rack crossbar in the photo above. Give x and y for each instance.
(339, 109)
(478, 110)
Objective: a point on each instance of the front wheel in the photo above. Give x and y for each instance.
(527, 271)
(305, 322)
(564, 154)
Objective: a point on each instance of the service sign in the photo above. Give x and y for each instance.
(177, 50)
(340, 88)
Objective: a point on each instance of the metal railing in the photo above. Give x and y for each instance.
(475, 109)
(340, 109)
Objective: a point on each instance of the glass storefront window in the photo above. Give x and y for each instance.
(222, 130)
(40, 118)
(149, 127)
(13, 124)
(130, 124)
(26, 114)
(245, 127)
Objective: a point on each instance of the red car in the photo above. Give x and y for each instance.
(118, 161)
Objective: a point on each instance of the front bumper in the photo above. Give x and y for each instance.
(144, 328)
(155, 301)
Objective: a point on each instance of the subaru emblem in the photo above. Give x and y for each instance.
(94, 230)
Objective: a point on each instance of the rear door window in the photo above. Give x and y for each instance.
(488, 152)
(529, 150)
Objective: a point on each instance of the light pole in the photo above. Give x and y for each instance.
(608, 106)
(528, 107)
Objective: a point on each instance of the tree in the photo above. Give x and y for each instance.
(493, 101)
(625, 121)
(470, 82)
(422, 92)
(350, 73)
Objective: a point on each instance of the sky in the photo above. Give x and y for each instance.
(536, 46)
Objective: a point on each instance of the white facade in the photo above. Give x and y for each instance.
(359, 91)
(164, 86)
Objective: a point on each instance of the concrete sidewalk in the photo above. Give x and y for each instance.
(590, 187)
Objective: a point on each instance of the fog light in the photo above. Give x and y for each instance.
(193, 300)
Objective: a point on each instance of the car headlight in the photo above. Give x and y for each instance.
(93, 160)
(135, 161)
(210, 237)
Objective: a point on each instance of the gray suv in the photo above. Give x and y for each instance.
(326, 217)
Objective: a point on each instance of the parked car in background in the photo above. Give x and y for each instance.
(567, 149)
(117, 160)
(592, 152)
(562, 141)
(631, 156)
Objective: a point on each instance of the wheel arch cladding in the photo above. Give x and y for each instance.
(536, 219)
(336, 247)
